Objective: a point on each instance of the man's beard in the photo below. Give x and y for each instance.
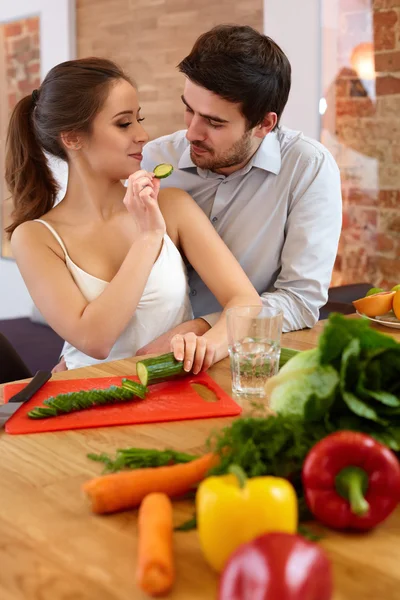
(237, 154)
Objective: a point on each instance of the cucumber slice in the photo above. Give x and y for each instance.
(162, 171)
(135, 388)
(160, 368)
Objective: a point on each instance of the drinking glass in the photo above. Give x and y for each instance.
(254, 338)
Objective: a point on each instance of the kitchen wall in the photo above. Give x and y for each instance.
(56, 44)
(361, 126)
(149, 38)
(298, 32)
(21, 71)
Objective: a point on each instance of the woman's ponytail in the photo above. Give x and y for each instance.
(28, 176)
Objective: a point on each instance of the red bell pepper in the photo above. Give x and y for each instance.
(277, 566)
(351, 481)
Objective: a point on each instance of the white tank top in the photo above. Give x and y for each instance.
(163, 305)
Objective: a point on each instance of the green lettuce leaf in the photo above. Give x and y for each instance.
(350, 366)
(306, 394)
(361, 408)
(339, 331)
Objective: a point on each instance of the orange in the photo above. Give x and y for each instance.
(396, 304)
(376, 305)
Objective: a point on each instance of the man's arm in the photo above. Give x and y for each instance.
(311, 239)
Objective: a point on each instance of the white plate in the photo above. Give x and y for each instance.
(388, 320)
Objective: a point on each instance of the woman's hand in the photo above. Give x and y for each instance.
(141, 201)
(197, 353)
(162, 344)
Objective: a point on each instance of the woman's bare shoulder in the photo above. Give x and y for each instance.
(173, 195)
(175, 203)
(32, 234)
(177, 207)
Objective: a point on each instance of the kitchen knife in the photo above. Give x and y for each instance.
(7, 410)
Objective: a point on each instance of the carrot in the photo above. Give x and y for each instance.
(127, 489)
(155, 571)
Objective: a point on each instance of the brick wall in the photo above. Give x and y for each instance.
(362, 129)
(149, 37)
(22, 58)
(20, 70)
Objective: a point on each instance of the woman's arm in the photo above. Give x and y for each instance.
(92, 327)
(193, 233)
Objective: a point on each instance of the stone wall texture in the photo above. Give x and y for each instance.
(20, 70)
(22, 58)
(362, 129)
(148, 38)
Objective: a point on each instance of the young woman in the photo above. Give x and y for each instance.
(103, 265)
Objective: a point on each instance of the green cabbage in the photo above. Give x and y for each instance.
(352, 378)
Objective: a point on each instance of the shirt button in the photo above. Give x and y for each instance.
(214, 219)
(193, 293)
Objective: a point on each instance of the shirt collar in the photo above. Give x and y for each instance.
(267, 157)
(185, 162)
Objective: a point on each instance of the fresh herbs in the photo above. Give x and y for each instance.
(275, 445)
(139, 458)
(187, 525)
(309, 534)
(261, 446)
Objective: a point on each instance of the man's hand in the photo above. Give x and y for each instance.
(162, 344)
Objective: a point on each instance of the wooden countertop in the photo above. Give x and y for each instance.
(53, 548)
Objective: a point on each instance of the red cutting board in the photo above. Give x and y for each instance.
(171, 401)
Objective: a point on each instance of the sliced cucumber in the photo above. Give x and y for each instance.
(160, 368)
(136, 388)
(162, 171)
(73, 401)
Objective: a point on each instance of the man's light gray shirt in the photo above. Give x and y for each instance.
(280, 215)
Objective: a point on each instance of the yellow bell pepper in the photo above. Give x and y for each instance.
(232, 510)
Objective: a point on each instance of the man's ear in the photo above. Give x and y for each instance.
(71, 140)
(266, 126)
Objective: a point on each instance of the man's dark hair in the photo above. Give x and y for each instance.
(243, 66)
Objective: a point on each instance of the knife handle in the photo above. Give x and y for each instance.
(34, 385)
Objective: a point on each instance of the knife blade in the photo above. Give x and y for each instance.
(16, 401)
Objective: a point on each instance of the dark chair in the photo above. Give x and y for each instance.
(340, 298)
(12, 366)
(38, 345)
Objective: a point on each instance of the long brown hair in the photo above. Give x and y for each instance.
(69, 98)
